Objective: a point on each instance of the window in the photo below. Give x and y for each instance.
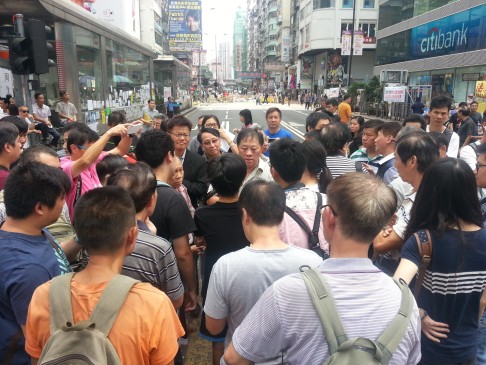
(301, 43)
(346, 26)
(348, 4)
(323, 4)
(368, 4)
(369, 29)
(307, 33)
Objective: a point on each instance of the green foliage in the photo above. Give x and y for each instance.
(354, 87)
(374, 90)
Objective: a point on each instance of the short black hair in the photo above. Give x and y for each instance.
(36, 95)
(288, 159)
(333, 102)
(415, 118)
(149, 100)
(390, 129)
(207, 117)
(33, 153)
(80, 136)
(153, 147)
(272, 110)
(333, 137)
(8, 134)
(439, 102)
(420, 145)
(465, 111)
(346, 96)
(103, 218)
(74, 125)
(440, 139)
(13, 109)
(110, 165)
(226, 174)
(374, 124)
(116, 118)
(21, 124)
(249, 133)
(212, 131)
(163, 121)
(62, 93)
(313, 118)
(179, 121)
(23, 192)
(264, 202)
(139, 180)
(246, 114)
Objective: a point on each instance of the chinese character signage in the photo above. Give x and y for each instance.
(395, 94)
(481, 89)
(358, 43)
(248, 75)
(346, 43)
(184, 25)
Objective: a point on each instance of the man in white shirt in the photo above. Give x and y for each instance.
(66, 110)
(41, 114)
(440, 107)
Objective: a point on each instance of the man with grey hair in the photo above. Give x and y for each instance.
(367, 300)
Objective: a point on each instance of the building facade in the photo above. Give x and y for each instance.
(442, 44)
(240, 49)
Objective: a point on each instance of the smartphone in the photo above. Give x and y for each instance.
(270, 140)
(134, 129)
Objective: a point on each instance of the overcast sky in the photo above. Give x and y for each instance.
(218, 21)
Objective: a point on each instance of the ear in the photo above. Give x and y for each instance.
(245, 218)
(329, 223)
(169, 158)
(40, 209)
(131, 239)
(413, 161)
(153, 200)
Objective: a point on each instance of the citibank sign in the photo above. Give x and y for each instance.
(461, 32)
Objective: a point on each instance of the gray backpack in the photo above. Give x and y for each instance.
(85, 342)
(359, 350)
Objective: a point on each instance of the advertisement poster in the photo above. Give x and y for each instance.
(185, 27)
(336, 68)
(358, 43)
(346, 43)
(395, 94)
(307, 68)
(481, 89)
(6, 82)
(285, 45)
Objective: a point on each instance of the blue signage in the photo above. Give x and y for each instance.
(461, 32)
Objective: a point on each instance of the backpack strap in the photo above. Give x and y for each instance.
(393, 334)
(60, 307)
(424, 243)
(313, 236)
(325, 307)
(111, 301)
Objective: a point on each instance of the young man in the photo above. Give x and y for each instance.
(146, 328)
(315, 121)
(11, 148)
(85, 150)
(41, 114)
(152, 259)
(344, 109)
(468, 127)
(65, 109)
(149, 112)
(367, 154)
(231, 295)
(195, 179)
(288, 164)
(332, 109)
(171, 215)
(440, 107)
(284, 318)
(414, 152)
(29, 255)
(385, 146)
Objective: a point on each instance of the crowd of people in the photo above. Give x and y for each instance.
(290, 252)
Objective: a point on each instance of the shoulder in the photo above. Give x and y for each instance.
(192, 156)
(151, 242)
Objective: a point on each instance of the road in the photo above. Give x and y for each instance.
(293, 117)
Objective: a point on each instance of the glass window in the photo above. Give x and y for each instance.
(393, 12)
(394, 48)
(424, 6)
(89, 69)
(348, 4)
(128, 75)
(307, 33)
(442, 82)
(322, 4)
(368, 4)
(369, 29)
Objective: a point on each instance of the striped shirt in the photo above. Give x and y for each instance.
(284, 317)
(367, 301)
(153, 261)
(340, 165)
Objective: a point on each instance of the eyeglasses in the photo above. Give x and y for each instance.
(332, 209)
(209, 142)
(479, 165)
(211, 125)
(180, 135)
(24, 110)
(81, 147)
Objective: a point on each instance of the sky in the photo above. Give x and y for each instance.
(218, 22)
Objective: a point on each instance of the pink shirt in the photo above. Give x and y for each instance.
(89, 179)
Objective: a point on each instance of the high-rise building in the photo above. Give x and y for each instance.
(440, 43)
(239, 42)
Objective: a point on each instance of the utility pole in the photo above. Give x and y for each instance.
(352, 44)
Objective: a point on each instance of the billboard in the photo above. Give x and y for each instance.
(395, 94)
(185, 31)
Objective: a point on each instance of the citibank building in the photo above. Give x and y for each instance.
(441, 43)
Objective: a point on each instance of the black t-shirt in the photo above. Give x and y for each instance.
(171, 216)
(220, 224)
(467, 128)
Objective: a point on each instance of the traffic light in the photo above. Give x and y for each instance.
(29, 52)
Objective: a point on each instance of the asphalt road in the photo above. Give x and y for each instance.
(293, 117)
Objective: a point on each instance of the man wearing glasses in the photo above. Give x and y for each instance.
(29, 119)
(195, 179)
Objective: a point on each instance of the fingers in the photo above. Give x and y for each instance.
(191, 298)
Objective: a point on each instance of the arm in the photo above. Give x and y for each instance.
(93, 152)
(468, 155)
(467, 141)
(229, 141)
(231, 357)
(214, 325)
(123, 147)
(383, 244)
(406, 270)
(453, 149)
(70, 248)
(39, 119)
(185, 262)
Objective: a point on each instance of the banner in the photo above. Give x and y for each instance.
(346, 43)
(307, 69)
(395, 94)
(195, 57)
(248, 75)
(285, 45)
(481, 89)
(185, 31)
(358, 43)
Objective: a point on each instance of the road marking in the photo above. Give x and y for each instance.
(293, 129)
(297, 111)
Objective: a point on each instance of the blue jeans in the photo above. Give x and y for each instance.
(482, 341)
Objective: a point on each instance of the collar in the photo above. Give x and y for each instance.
(183, 156)
(348, 265)
(386, 158)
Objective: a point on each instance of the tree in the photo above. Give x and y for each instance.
(374, 90)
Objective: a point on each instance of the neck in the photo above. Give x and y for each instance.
(142, 216)
(388, 151)
(308, 178)
(101, 268)
(273, 130)
(179, 153)
(228, 199)
(25, 226)
(371, 152)
(265, 238)
(162, 173)
(416, 180)
(436, 127)
(5, 163)
(249, 171)
(343, 247)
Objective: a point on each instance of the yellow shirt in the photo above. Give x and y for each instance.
(344, 111)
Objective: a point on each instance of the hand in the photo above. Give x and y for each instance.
(36, 131)
(369, 169)
(191, 300)
(119, 130)
(433, 330)
(387, 231)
